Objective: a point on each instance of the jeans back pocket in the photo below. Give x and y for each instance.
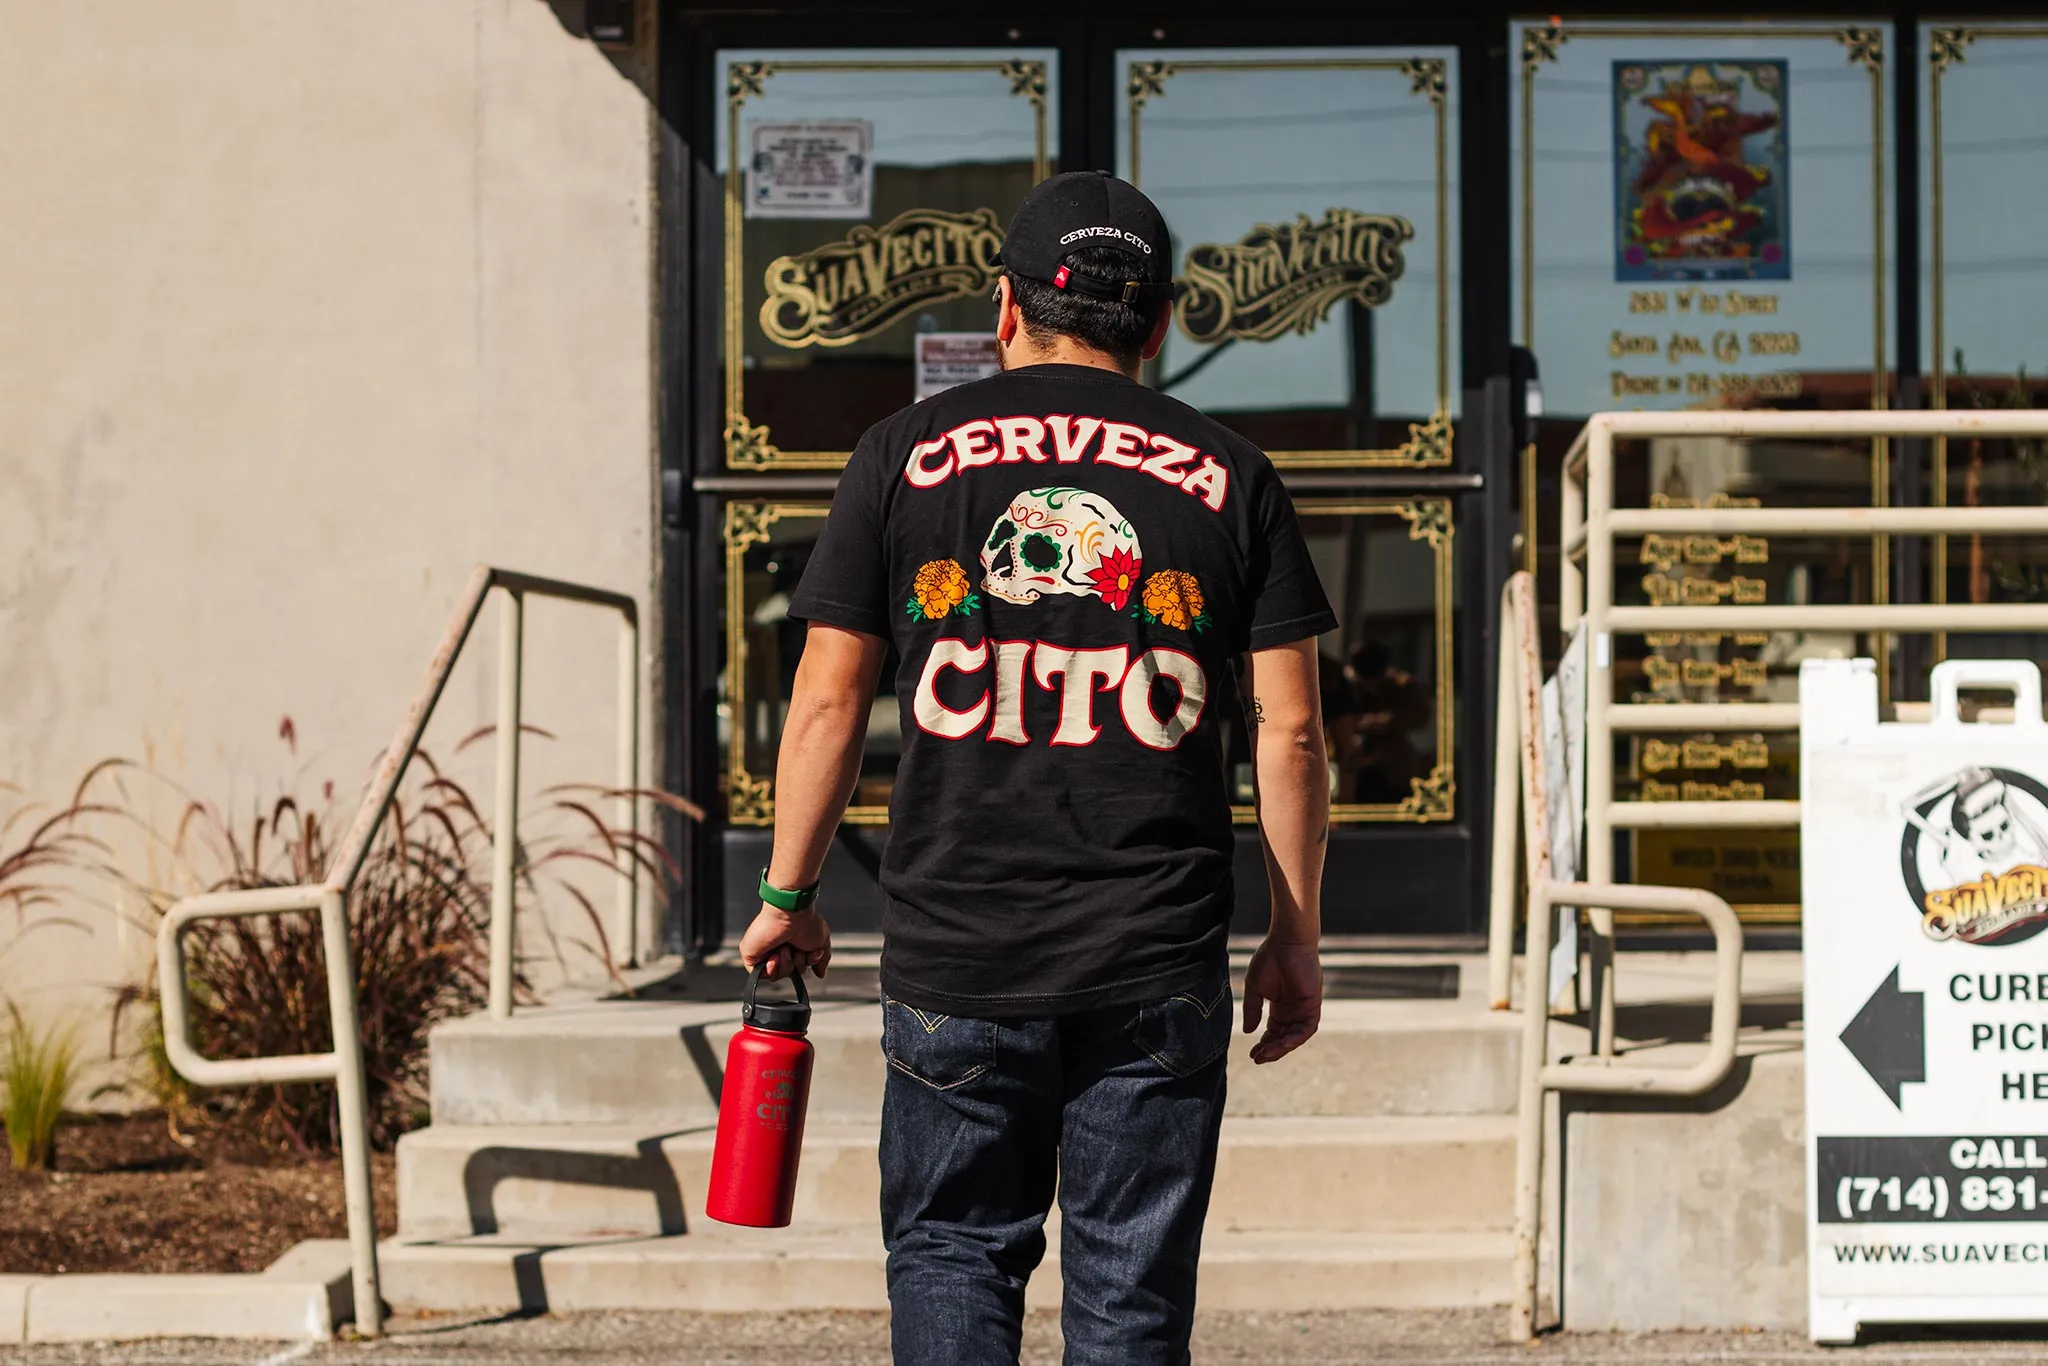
(942, 1051)
(1187, 1032)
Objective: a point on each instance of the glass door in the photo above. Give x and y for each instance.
(865, 195)
(1314, 199)
(1313, 195)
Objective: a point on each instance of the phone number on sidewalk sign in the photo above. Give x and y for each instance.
(1925, 1180)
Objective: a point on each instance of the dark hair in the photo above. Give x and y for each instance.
(1117, 329)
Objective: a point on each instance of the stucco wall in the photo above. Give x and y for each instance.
(305, 309)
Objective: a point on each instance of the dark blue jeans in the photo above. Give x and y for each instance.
(982, 1119)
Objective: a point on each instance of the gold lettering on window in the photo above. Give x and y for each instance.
(1281, 278)
(855, 287)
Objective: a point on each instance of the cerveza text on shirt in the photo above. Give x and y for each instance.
(1063, 439)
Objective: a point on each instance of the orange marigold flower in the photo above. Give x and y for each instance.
(1174, 597)
(941, 587)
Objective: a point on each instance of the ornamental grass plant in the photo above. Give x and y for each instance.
(38, 1072)
(418, 918)
(38, 1066)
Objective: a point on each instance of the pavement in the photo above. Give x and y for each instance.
(1382, 1338)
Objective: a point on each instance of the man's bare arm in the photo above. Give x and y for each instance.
(1292, 777)
(815, 771)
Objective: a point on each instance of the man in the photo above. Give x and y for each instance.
(1071, 566)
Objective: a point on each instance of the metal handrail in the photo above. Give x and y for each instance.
(1589, 526)
(1521, 676)
(1598, 1076)
(344, 1065)
(355, 846)
(1590, 523)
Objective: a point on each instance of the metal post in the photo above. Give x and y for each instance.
(626, 951)
(1507, 789)
(1599, 597)
(1529, 1121)
(1528, 1102)
(352, 1101)
(505, 831)
(1535, 1050)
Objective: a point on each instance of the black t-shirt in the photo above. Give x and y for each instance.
(1068, 563)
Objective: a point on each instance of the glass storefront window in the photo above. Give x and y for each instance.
(1702, 214)
(1388, 681)
(1703, 220)
(866, 192)
(1984, 281)
(1388, 671)
(1311, 194)
(1756, 870)
(767, 545)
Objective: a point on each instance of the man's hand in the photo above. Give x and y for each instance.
(1289, 977)
(784, 944)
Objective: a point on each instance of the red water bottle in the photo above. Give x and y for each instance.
(761, 1111)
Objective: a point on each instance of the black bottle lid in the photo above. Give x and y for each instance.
(782, 1017)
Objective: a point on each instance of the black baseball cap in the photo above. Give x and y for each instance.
(1078, 209)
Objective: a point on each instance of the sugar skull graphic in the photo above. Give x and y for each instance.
(1061, 542)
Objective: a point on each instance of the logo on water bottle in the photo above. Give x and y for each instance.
(773, 1111)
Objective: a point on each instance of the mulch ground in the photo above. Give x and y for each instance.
(126, 1196)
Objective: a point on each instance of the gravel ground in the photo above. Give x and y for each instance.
(1460, 1338)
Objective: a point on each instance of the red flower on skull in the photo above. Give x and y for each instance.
(1116, 578)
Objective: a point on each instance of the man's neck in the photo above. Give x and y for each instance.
(1063, 351)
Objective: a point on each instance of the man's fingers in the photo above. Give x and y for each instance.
(1280, 1040)
(1294, 1024)
(820, 961)
(1254, 1007)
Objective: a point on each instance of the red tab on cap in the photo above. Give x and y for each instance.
(1059, 278)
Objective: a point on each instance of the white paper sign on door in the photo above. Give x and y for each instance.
(945, 359)
(810, 170)
(1924, 868)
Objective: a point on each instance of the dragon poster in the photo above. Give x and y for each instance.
(1700, 171)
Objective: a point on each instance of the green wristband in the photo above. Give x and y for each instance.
(786, 900)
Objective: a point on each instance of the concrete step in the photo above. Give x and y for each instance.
(842, 1268)
(1413, 1174)
(658, 1066)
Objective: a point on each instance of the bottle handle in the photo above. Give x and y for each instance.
(803, 997)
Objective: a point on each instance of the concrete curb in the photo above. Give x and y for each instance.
(303, 1296)
(14, 1308)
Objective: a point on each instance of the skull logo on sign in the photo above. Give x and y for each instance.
(1980, 814)
(1061, 542)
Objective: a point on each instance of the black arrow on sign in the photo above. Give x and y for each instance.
(1889, 1037)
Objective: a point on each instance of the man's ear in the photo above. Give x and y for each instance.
(1157, 338)
(1008, 319)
